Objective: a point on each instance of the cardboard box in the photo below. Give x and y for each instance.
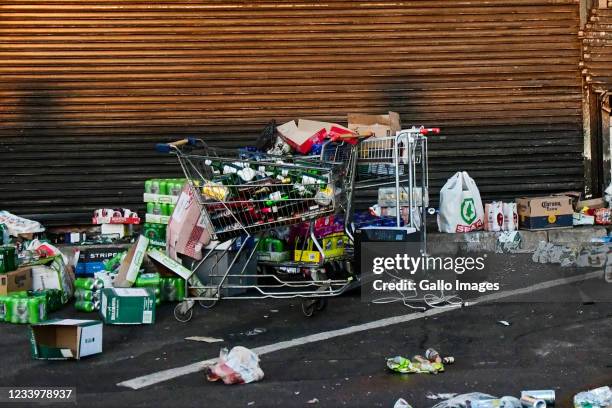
(306, 133)
(537, 213)
(127, 305)
(594, 203)
(121, 230)
(63, 339)
(129, 268)
(379, 125)
(169, 263)
(15, 281)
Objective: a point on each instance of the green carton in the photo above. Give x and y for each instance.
(127, 305)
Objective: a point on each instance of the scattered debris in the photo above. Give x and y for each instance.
(548, 396)
(508, 242)
(256, 331)
(547, 252)
(433, 363)
(274, 311)
(204, 339)
(251, 403)
(238, 366)
(478, 399)
(441, 396)
(313, 401)
(597, 398)
(504, 322)
(297, 393)
(402, 403)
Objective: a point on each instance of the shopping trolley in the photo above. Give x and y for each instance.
(397, 166)
(243, 195)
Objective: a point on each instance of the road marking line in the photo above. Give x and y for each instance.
(165, 375)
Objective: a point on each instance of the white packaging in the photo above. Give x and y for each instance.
(494, 214)
(510, 217)
(461, 208)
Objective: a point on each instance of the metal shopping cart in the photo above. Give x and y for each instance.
(398, 167)
(244, 195)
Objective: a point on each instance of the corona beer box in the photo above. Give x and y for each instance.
(63, 339)
(127, 305)
(537, 213)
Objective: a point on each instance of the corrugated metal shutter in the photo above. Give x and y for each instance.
(597, 49)
(88, 86)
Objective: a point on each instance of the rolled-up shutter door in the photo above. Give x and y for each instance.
(88, 86)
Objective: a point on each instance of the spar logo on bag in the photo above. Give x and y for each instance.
(468, 212)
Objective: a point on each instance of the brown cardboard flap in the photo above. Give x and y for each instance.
(380, 125)
(17, 280)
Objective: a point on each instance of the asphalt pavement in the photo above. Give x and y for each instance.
(554, 341)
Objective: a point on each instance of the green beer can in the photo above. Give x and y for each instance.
(19, 311)
(10, 258)
(179, 283)
(37, 310)
(84, 306)
(88, 283)
(147, 279)
(83, 294)
(150, 208)
(148, 184)
(5, 309)
(163, 187)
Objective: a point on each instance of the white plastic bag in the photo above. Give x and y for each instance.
(494, 216)
(17, 225)
(460, 205)
(239, 366)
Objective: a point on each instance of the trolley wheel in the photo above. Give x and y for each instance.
(308, 308)
(208, 304)
(183, 312)
(321, 304)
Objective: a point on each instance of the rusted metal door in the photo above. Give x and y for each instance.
(88, 86)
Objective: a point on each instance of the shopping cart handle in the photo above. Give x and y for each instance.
(168, 147)
(425, 131)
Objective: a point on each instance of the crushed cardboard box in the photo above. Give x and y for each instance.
(304, 134)
(380, 125)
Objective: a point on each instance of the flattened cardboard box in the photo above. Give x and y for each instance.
(127, 305)
(63, 339)
(169, 263)
(15, 281)
(545, 212)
